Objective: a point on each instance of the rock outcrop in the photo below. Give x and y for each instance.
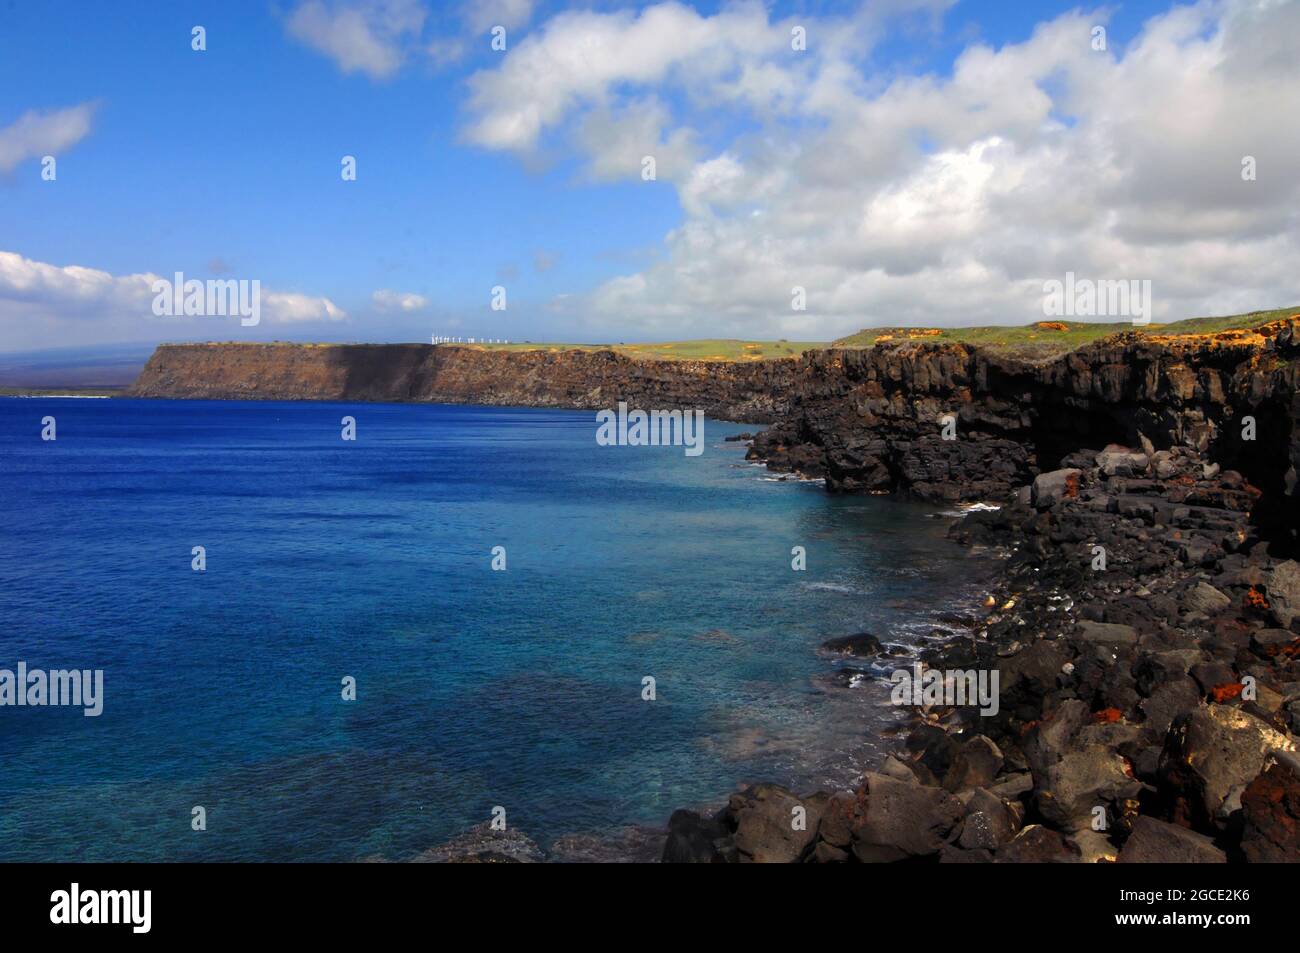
(948, 421)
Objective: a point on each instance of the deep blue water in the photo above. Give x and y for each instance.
(475, 688)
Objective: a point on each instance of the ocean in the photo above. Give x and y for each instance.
(475, 688)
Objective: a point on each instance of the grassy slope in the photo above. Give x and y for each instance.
(1035, 341)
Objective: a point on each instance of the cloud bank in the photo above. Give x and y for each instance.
(931, 198)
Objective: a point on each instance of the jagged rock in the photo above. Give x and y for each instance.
(842, 816)
(990, 822)
(975, 765)
(1155, 842)
(1048, 488)
(1092, 776)
(692, 839)
(1205, 598)
(1168, 702)
(862, 645)
(1271, 643)
(765, 816)
(934, 748)
(1210, 755)
(1284, 592)
(898, 770)
(903, 820)
(1270, 808)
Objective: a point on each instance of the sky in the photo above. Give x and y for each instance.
(917, 163)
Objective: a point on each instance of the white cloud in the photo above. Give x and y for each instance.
(41, 302)
(386, 300)
(360, 36)
(921, 199)
(288, 307)
(482, 15)
(35, 134)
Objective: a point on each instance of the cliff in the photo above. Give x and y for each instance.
(871, 419)
(751, 391)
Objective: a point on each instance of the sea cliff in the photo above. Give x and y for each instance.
(1145, 630)
(753, 391)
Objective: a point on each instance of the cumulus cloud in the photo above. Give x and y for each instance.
(360, 36)
(938, 198)
(40, 302)
(35, 134)
(386, 300)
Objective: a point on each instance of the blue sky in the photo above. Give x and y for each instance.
(226, 162)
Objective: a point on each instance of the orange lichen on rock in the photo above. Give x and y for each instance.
(1254, 599)
(1106, 716)
(1226, 692)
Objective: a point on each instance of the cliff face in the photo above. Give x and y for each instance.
(871, 419)
(752, 392)
(868, 420)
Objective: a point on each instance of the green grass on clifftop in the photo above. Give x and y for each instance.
(1043, 340)
(704, 349)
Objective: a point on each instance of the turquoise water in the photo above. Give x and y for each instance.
(475, 688)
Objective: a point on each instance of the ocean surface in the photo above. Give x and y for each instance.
(475, 688)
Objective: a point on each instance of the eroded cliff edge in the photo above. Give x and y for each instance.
(872, 419)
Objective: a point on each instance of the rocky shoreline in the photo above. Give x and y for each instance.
(1148, 712)
(1145, 629)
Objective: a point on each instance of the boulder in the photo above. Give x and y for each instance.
(769, 828)
(975, 765)
(1121, 461)
(903, 820)
(1092, 776)
(841, 818)
(1203, 597)
(1155, 842)
(1050, 488)
(1283, 590)
(990, 822)
(692, 839)
(1270, 808)
(861, 645)
(1210, 755)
